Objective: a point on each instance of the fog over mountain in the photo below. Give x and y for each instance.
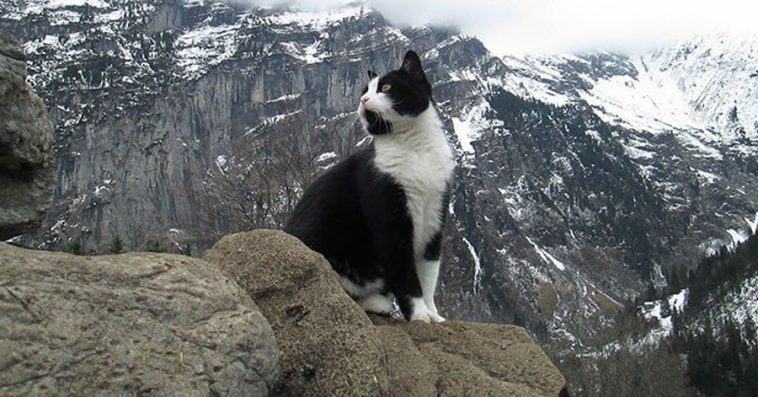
(564, 26)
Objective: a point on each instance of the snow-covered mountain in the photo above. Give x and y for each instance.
(581, 177)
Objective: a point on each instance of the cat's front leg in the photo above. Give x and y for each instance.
(403, 281)
(395, 248)
(428, 269)
(428, 272)
(419, 311)
(392, 235)
(407, 286)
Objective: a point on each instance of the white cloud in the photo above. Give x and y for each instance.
(545, 26)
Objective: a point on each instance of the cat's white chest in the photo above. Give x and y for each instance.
(423, 166)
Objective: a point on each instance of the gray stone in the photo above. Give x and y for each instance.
(130, 324)
(331, 347)
(471, 359)
(26, 134)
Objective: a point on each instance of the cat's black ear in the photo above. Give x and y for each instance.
(412, 66)
(371, 74)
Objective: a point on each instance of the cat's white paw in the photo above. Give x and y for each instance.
(376, 303)
(421, 312)
(436, 318)
(422, 315)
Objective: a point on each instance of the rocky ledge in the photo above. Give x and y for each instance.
(261, 314)
(329, 346)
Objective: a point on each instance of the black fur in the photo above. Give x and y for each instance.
(375, 124)
(409, 90)
(357, 218)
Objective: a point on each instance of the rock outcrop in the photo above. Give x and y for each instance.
(130, 324)
(26, 135)
(330, 346)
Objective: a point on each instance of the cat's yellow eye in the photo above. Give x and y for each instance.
(386, 87)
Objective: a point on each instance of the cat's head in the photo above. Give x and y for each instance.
(391, 102)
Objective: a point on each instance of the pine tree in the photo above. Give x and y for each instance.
(75, 247)
(155, 246)
(675, 283)
(116, 246)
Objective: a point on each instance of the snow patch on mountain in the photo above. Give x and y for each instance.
(752, 224)
(594, 135)
(742, 302)
(473, 121)
(314, 19)
(707, 177)
(718, 78)
(737, 236)
(308, 54)
(639, 103)
(39, 6)
(534, 77)
(704, 91)
(477, 265)
(660, 312)
(206, 46)
(549, 259)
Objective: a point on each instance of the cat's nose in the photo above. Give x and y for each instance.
(364, 99)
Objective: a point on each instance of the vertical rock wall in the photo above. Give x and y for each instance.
(26, 133)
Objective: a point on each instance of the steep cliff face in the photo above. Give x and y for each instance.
(580, 178)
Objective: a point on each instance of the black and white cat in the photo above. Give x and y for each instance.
(377, 216)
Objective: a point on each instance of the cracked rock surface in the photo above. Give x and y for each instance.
(331, 347)
(130, 324)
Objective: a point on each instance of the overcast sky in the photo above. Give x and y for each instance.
(546, 26)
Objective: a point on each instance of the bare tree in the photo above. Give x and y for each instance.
(260, 185)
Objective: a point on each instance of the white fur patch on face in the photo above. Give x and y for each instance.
(377, 102)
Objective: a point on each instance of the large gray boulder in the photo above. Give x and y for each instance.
(331, 347)
(328, 344)
(130, 324)
(26, 135)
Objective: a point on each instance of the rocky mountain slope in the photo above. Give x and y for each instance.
(581, 177)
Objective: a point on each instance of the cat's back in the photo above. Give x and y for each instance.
(331, 199)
